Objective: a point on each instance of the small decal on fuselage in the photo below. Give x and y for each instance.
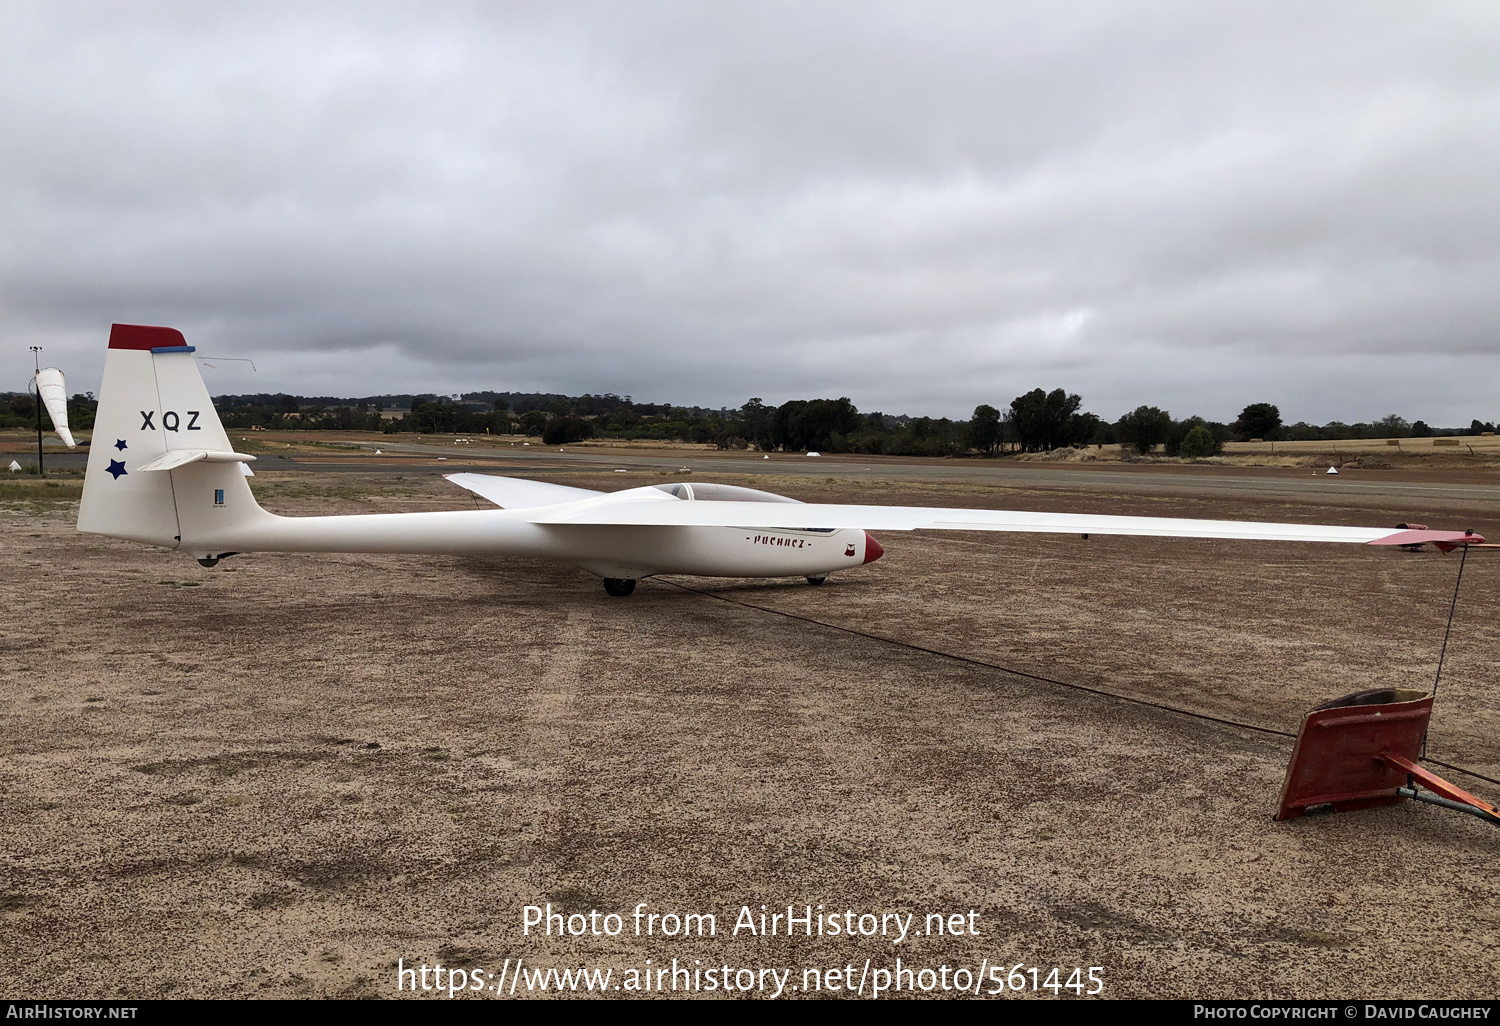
(781, 540)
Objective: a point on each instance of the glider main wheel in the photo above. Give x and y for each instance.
(815, 581)
(619, 587)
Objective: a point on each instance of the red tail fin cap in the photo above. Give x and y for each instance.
(143, 336)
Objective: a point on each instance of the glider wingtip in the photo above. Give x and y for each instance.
(1445, 540)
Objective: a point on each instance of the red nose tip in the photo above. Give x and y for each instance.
(873, 551)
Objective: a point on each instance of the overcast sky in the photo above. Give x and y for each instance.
(923, 206)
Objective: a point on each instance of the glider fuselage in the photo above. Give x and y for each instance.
(607, 550)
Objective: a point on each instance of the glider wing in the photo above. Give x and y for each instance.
(628, 511)
(516, 493)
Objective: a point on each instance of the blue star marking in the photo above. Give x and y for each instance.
(121, 445)
(116, 468)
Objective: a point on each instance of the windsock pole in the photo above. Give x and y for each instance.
(36, 358)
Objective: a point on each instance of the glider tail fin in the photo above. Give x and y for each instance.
(161, 469)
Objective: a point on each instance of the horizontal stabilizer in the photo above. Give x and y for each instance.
(516, 493)
(174, 458)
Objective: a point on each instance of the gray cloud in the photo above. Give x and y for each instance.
(921, 206)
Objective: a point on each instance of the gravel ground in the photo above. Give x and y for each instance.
(280, 776)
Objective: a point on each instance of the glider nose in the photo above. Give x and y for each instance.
(873, 551)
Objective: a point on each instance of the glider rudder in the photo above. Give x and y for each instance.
(161, 469)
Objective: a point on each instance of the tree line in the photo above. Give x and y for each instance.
(18, 409)
(1036, 421)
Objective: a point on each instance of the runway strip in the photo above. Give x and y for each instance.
(537, 461)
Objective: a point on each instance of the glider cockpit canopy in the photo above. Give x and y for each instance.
(517, 493)
(707, 492)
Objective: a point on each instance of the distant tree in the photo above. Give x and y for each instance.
(1041, 419)
(1258, 420)
(532, 422)
(561, 430)
(757, 420)
(1419, 429)
(1393, 426)
(287, 404)
(984, 429)
(81, 409)
(1144, 428)
(1479, 427)
(801, 425)
(438, 417)
(1007, 430)
(624, 419)
(1085, 429)
(560, 408)
(1177, 436)
(1198, 444)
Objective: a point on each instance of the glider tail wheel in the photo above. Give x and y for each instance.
(619, 587)
(815, 581)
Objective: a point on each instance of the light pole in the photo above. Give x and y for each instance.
(36, 359)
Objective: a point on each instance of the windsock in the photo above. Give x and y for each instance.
(49, 385)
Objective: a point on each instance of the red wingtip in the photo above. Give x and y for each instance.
(1445, 540)
(142, 336)
(873, 551)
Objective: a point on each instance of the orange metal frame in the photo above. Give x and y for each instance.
(1353, 753)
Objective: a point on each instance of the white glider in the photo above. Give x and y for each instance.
(162, 471)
